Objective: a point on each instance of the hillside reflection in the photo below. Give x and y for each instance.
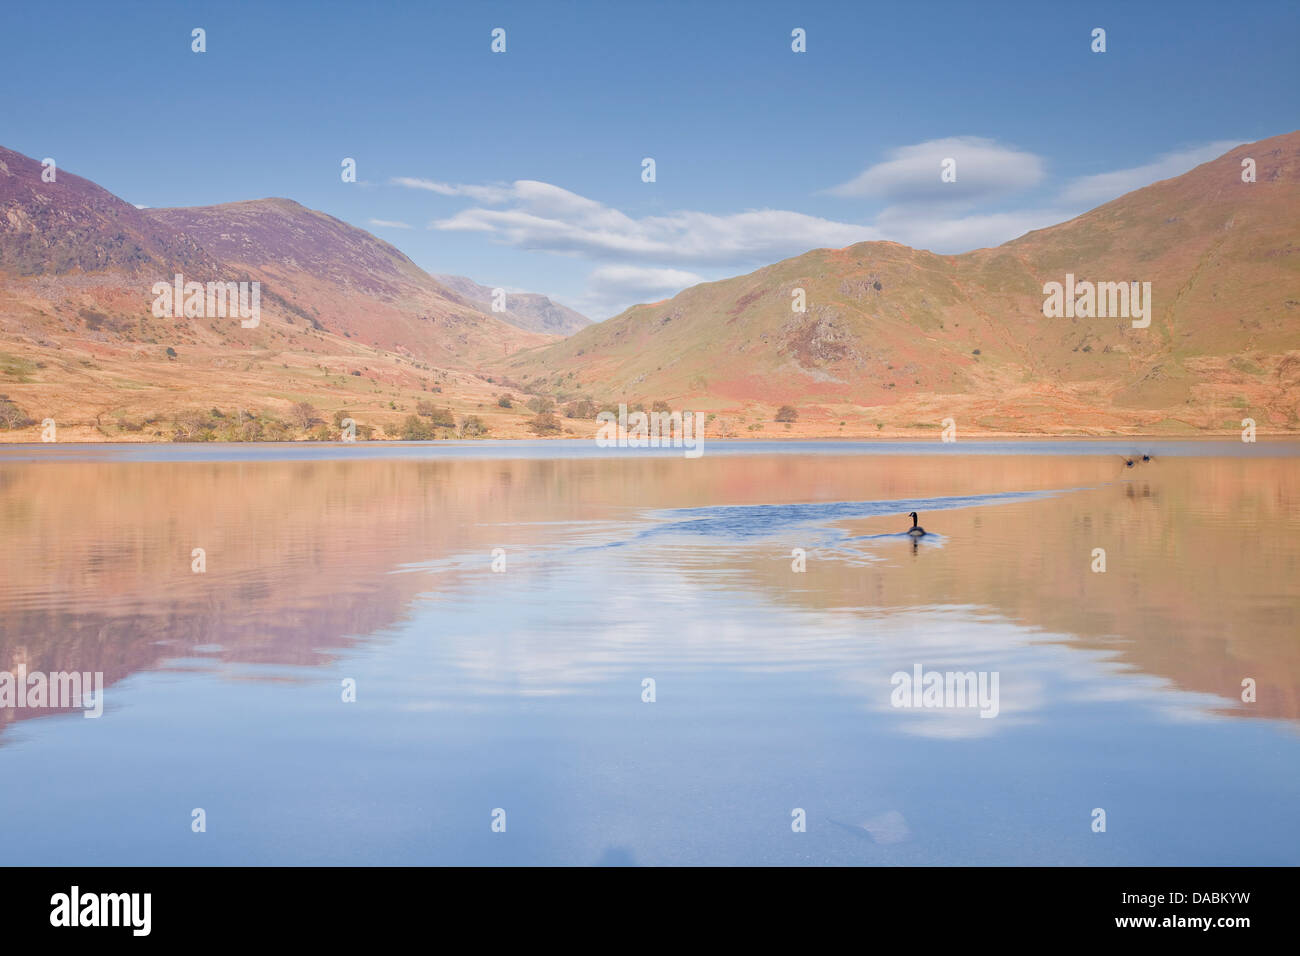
(1200, 587)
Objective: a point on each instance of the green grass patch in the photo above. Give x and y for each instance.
(16, 369)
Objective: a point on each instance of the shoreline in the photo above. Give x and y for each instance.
(931, 437)
(586, 449)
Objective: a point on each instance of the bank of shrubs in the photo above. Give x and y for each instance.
(240, 425)
(302, 421)
(546, 423)
(11, 416)
(432, 422)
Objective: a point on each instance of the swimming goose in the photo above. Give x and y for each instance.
(916, 530)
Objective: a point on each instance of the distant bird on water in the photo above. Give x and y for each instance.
(916, 531)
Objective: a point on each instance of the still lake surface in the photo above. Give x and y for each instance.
(522, 689)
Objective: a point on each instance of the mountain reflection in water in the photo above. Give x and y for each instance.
(523, 689)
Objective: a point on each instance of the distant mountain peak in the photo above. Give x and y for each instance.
(525, 310)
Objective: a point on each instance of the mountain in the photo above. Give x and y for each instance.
(344, 280)
(525, 310)
(898, 338)
(312, 267)
(72, 226)
(891, 341)
(346, 319)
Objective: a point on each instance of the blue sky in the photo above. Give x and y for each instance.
(523, 169)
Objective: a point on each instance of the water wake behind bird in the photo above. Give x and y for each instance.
(814, 521)
(740, 522)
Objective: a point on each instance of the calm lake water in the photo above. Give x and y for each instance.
(521, 688)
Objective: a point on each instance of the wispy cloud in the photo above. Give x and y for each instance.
(488, 194)
(610, 289)
(389, 224)
(943, 232)
(1103, 187)
(983, 168)
(542, 216)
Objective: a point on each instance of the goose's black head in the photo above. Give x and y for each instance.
(912, 515)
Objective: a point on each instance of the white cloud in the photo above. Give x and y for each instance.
(911, 174)
(487, 194)
(611, 289)
(641, 279)
(950, 234)
(545, 217)
(388, 223)
(1091, 191)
